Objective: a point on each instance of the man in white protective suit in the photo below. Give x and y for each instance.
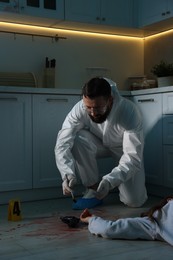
(102, 124)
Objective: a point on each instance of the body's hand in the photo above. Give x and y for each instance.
(103, 189)
(68, 184)
(85, 216)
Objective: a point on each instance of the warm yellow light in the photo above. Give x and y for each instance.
(52, 32)
(160, 34)
(32, 29)
(97, 34)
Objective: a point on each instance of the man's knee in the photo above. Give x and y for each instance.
(134, 204)
(133, 199)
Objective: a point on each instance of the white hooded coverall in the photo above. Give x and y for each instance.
(81, 141)
(137, 228)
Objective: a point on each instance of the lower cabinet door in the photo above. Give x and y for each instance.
(15, 142)
(151, 110)
(49, 112)
(168, 166)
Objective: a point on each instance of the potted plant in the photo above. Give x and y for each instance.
(164, 73)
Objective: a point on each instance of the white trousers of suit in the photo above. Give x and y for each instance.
(87, 148)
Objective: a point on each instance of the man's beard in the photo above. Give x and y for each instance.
(99, 119)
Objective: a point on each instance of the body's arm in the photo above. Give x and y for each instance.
(126, 228)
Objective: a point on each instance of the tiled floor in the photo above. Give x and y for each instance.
(42, 235)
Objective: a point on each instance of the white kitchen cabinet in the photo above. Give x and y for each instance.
(168, 129)
(35, 12)
(168, 138)
(168, 149)
(9, 6)
(82, 11)
(49, 112)
(29, 127)
(154, 11)
(168, 166)
(151, 110)
(43, 8)
(168, 103)
(157, 112)
(15, 142)
(105, 12)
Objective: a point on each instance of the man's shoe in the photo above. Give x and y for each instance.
(83, 203)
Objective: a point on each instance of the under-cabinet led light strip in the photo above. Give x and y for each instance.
(159, 34)
(54, 32)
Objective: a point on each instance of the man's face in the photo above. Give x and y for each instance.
(98, 108)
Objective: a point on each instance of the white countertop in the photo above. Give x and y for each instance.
(152, 91)
(27, 90)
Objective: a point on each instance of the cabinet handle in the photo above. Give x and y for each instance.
(57, 100)
(103, 19)
(163, 14)
(168, 12)
(97, 18)
(8, 99)
(146, 100)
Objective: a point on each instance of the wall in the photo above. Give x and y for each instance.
(122, 57)
(157, 48)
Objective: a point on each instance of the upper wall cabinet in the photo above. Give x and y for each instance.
(105, 12)
(154, 11)
(44, 8)
(21, 11)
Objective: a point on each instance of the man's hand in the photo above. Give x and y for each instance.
(103, 189)
(68, 184)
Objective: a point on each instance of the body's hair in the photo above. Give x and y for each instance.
(159, 206)
(96, 87)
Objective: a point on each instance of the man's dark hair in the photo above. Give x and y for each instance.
(96, 87)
